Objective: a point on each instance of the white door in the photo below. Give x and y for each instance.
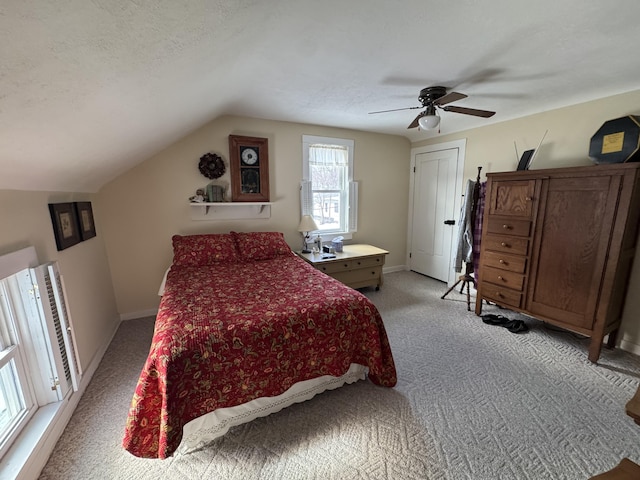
(434, 210)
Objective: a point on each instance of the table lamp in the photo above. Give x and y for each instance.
(307, 224)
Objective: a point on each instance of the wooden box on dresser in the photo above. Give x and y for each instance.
(558, 245)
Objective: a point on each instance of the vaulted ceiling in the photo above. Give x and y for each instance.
(89, 88)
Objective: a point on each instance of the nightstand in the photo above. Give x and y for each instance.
(357, 266)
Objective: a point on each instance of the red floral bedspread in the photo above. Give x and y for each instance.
(230, 333)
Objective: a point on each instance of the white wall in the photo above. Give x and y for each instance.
(137, 213)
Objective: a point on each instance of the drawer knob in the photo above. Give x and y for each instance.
(358, 262)
(373, 273)
(346, 265)
(506, 227)
(528, 199)
(501, 261)
(504, 244)
(498, 294)
(499, 277)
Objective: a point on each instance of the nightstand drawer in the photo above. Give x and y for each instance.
(369, 275)
(368, 262)
(333, 267)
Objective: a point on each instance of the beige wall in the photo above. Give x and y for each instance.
(566, 144)
(143, 208)
(118, 271)
(26, 221)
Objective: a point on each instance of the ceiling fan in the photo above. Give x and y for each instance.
(433, 98)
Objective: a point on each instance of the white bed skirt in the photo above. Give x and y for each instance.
(202, 430)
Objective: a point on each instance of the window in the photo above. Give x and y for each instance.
(37, 355)
(328, 192)
(16, 393)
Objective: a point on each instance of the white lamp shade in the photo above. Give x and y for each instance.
(307, 224)
(429, 122)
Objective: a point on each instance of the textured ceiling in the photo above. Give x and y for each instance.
(89, 88)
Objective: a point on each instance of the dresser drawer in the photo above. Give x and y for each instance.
(499, 243)
(503, 278)
(367, 262)
(332, 267)
(501, 296)
(371, 276)
(504, 261)
(509, 226)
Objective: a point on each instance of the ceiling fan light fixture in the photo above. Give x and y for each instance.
(429, 121)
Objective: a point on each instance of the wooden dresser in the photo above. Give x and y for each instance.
(357, 265)
(558, 244)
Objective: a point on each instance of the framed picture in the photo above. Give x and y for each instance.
(249, 162)
(65, 224)
(85, 220)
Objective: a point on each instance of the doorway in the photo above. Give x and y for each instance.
(435, 189)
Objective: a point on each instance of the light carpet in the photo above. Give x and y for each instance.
(473, 401)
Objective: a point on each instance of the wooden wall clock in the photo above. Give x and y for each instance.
(249, 162)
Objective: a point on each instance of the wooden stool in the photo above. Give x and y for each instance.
(466, 279)
(633, 407)
(626, 469)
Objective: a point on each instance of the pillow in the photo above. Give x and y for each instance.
(261, 245)
(198, 250)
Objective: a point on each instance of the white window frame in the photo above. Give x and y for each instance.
(36, 310)
(16, 357)
(10, 265)
(350, 196)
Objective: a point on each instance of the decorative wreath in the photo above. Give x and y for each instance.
(211, 165)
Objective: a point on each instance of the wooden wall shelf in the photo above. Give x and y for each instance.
(230, 210)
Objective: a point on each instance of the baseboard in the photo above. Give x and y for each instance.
(628, 346)
(31, 451)
(141, 314)
(396, 268)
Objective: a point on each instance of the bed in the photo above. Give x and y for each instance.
(245, 328)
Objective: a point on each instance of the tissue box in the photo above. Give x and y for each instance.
(337, 244)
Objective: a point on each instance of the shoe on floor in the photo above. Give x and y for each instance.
(516, 326)
(491, 319)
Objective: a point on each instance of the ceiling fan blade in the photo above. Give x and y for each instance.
(470, 111)
(414, 124)
(395, 110)
(449, 97)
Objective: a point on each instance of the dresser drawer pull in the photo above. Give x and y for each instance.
(505, 244)
(528, 199)
(498, 294)
(506, 227)
(502, 262)
(500, 277)
(346, 265)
